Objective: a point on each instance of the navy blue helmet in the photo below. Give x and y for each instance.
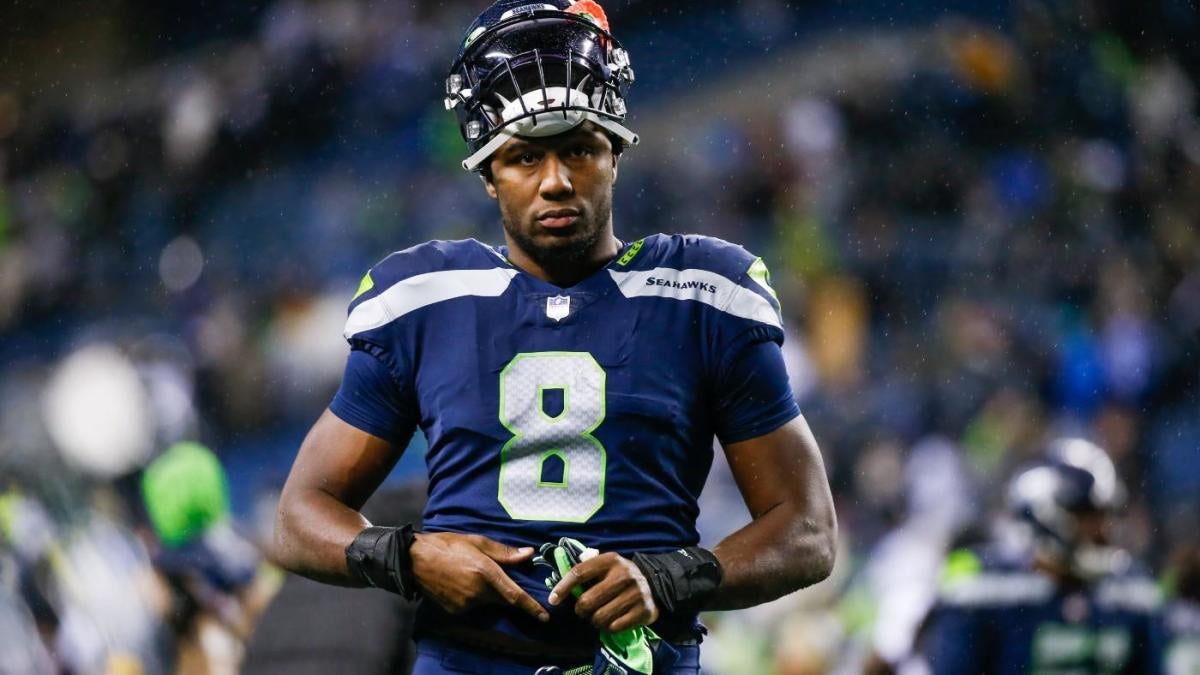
(537, 69)
(1077, 479)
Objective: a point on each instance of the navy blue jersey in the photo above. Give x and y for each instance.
(1001, 617)
(1183, 638)
(586, 412)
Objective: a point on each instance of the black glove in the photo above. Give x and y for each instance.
(680, 581)
(378, 557)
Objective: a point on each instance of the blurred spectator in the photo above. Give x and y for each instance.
(1183, 612)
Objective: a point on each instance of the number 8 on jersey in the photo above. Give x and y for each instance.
(539, 436)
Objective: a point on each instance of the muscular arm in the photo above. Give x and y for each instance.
(337, 469)
(791, 542)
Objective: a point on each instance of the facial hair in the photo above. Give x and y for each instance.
(563, 254)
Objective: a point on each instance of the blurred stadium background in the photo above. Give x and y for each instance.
(983, 219)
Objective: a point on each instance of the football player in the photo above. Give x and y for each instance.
(569, 384)
(1183, 614)
(1063, 600)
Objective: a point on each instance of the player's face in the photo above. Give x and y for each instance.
(1093, 527)
(555, 193)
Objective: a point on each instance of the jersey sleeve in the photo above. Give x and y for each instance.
(371, 400)
(754, 394)
(376, 394)
(750, 310)
(752, 390)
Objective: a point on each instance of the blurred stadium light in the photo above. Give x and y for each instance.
(97, 412)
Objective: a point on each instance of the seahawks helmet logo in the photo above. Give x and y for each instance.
(474, 35)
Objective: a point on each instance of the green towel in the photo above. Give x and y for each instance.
(628, 651)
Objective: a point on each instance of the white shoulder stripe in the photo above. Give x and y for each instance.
(423, 290)
(998, 589)
(700, 285)
(1137, 595)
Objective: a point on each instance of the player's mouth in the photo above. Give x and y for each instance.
(558, 218)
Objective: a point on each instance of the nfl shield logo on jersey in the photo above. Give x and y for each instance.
(558, 307)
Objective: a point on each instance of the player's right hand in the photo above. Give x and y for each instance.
(462, 571)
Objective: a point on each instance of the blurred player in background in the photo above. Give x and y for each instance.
(1183, 613)
(210, 570)
(1063, 600)
(570, 385)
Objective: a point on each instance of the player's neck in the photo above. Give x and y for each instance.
(566, 272)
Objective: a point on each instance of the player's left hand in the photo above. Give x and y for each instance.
(617, 595)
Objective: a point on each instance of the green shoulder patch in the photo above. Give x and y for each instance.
(634, 249)
(759, 273)
(365, 285)
(960, 564)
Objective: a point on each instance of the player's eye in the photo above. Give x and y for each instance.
(581, 151)
(527, 159)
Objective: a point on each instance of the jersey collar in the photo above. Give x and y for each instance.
(599, 281)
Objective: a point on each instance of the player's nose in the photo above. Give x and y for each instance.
(555, 178)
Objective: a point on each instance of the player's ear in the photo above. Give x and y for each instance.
(616, 158)
(488, 185)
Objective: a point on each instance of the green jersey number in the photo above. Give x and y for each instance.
(1059, 648)
(525, 493)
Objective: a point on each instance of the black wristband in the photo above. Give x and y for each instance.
(378, 557)
(680, 581)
